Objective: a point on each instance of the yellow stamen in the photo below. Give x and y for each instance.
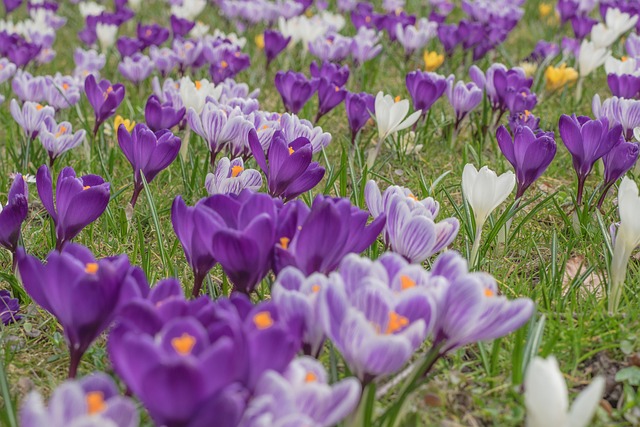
(183, 344)
(260, 41)
(263, 320)
(291, 151)
(488, 293)
(412, 197)
(397, 98)
(315, 289)
(148, 33)
(95, 402)
(310, 377)
(432, 60)
(284, 242)
(236, 170)
(367, 19)
(39, 107)
(91, 268)
(407, 282)
(198, 84)
(396, 322)
(624, 58)
(86, 187)
(337, 89)
(65, 86)
(224, 64)
(61, 131)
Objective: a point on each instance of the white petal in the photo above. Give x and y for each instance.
(545, 394)
(585, 405)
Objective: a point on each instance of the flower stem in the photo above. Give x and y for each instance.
(473, 259)
(74, 362)
(373, 154)
(137, 188)
(619, 264)
(198, 278)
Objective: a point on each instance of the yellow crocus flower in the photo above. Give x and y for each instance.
(558, 77)
(128, 124)
(433, 60)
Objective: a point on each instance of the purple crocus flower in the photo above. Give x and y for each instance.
(136, 68)
(332, 47)
(104, 97)
(582, 26)
(632, 45)
(164, 59)
(88, 62)
(82, 292)
(449, 37)
(425, 89)
(58, 138)
(625, 112)
(148, 152)
(27, 87)
(464, 98)
(11, 5)
(232, 62)
(302, 393)
(365, 46)
(587, 140)
(525, 118)
(62, 92)
(470, 308)
(316, 239)
(188, 53)
(360, 109)
(330, 96)
(195, 236)
(333, 72)
(295, 90)
(91, 401)
(128, 46)
(292, 127)
(220, 129)
(30, 117)
(180, 26)
(530, 154)
(13, 215)
(244, 244)
(410, 228)
(152, 35)
(415, 37)
(162, 115)
(617, 163)
(274, 43)
(288, 167)
(7, 69)
(79, 201)
(231, 177)
(624, 85)
(9, 308)
(377, 313)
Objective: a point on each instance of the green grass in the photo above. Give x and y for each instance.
(477, 385)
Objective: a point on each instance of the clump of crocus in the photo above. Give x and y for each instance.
(484, 191)
(13, 215)
(79, 201)
(316, 239)
(104, 97)
(360, 109)
(529, 153)
(90, 401)
(410, 229)
(587, 140)
(148, 153)
(288, 167)
(559, 77)
(231, 177)
(82, 292)
(30, 117)
(295, 90)
(390, 116)
(547, 401)
(626, 239)
(9, 308)
(58, 138)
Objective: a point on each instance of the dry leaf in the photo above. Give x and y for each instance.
(574, 269)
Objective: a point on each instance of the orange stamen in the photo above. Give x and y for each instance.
(183, 344)
(263, 320)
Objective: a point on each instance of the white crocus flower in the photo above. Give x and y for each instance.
(106, 34)
(189, 9)
(603, 36)
(135, 4)
(591, 57)
(619, 21)
(199, 30)
(626, 240)
(194, 94)
(90, 8)
(484, 190)
(547, 401)
(390, 116)
(618, 67)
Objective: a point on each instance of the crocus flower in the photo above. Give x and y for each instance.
(334, 73)
(360, 109)
(152, 35)
(219, 128)
(617, 163)
(470, 308)
(432, 60)
(365, 45)
(194, 236)
(194, 94)
(58, 138)
(11, 5)
(390, 117)
(546, 397)
(162, 115)
(62, 91)
(591, 58)
(7, 69)
(148, 153)
(83, 293)
(410, 229)
(559, 77)
(415, 37)
(288, 167)
(128, 46)
(30, 117)
(244, 244)
(316, 239)
(302, 393)
(104, 98)
(164, 59)
(91, 401)
(330, 96)
(425, 89)
(274, 43)
(231, 177)
(626, 239)
(79, 201)
(530, 154)
(625, 112)
(484, 190)
(464, 98)
(9, 308)
(587, 140)
(295, 90)
(375, 325)
(136, 68)
(106, 34)
(180, 26)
